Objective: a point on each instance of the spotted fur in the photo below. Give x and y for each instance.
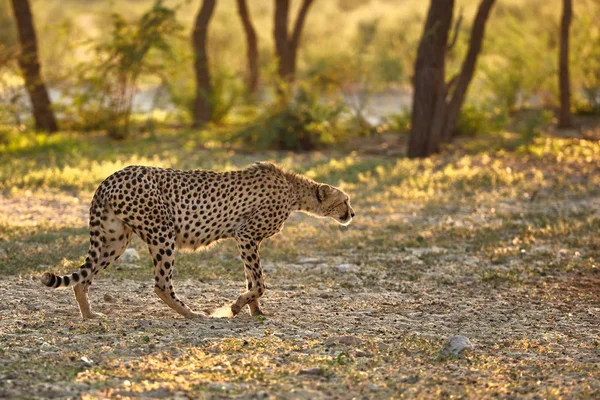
(171, 209)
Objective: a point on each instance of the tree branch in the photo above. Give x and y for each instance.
(456, 30)
(299, 24)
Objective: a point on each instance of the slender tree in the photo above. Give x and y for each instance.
(30, 66)
(437, 103)
(429, 78)
(202, 105)
(286, 46)
(252, 51)
(565, 119)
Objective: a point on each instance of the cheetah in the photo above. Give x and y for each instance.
(172, 209)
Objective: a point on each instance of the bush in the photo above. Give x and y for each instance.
(400, 122)
(475, 120)
(108, 83)
(586, 72)
(301, 124)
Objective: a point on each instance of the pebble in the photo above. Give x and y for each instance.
(221, 386)
(109, 298)
(312, 371)
(345, 340)
(347, 268)
(456, 345)
(308, 260)
(88, 362)
(360, 353)
(130, 256)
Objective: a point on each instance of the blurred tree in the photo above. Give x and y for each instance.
(437, 103)
(565, 119)
(109, 83)
(30, 66)
(286, 47)
(202, 106)
(252, 52)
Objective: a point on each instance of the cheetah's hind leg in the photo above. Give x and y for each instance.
(109, 238)
(164, 257)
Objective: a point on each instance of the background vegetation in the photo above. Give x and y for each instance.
(356, 61)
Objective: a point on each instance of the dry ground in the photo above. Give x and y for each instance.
(501, 248)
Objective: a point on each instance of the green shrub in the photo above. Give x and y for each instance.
(400, 122)
(306, 122)
(108, 83)
(531, 123)
(586, 72)
(475, 120)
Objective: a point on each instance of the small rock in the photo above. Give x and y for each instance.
(347, 268)
(456, 345)
(410, 379)
(221, 386)
(345, 340)
(360, 353)
(312, 371)
(130, 256)
(174, 272)
(88, 362)
(109, 298)
(308, 260)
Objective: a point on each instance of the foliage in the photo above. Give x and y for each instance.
(519, 63)
(586, 39)
(104, 96)
(227, 90)
(400, 122)
(532, 123)
(306, 122)
(477, 119)
(13, 102)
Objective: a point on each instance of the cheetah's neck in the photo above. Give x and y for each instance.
(304, 192)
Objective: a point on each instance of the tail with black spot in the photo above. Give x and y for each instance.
(85, 272)
(55, 281)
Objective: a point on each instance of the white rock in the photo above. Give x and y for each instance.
(221, 386)
(347, 268)
(308, 260)
(130, 256)
(88, 362)
(456, 345)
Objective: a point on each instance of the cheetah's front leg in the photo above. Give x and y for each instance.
(254, 281)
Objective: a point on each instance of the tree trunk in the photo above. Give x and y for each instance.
(286, 47)
(565, 119)
(429, 85)
(252, 52)
(202, 106)
(30, 66)
(434, 116)
(467, 70)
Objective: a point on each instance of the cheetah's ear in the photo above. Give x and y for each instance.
(323, 191)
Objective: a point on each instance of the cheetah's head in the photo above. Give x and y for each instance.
(334, 203)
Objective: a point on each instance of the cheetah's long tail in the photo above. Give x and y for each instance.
(55, 281)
